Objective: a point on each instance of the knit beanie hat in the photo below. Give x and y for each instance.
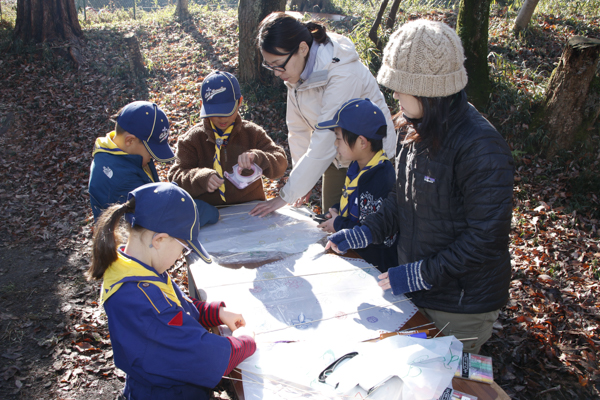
(424, 58)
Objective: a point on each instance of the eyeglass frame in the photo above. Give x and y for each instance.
(281, 68)
(188, 250)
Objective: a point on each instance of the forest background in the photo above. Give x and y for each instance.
(53, 335)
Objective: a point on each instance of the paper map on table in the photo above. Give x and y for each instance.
(306, 296)
(239, 237)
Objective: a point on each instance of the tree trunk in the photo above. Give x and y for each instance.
(182, 12)
(46, 21)
(566, 97)
(525, 15)
(472, 27)
(373, 32)
(392, 17)
(136, 60)
(324, 6)
(250, 14)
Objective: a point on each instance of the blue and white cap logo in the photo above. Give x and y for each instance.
(210, 93)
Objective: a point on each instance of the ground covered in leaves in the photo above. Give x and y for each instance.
(54, 339)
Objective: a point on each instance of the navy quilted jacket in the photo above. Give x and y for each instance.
(453, 211)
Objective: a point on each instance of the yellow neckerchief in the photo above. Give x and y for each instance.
(220, 140)
(106, 144)
(127, 269)
(350, 187)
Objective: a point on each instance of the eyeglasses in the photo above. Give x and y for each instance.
(280, 68)
(187, 250)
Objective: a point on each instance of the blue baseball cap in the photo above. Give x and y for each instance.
(220, 93)
(147, 122)
(359, 116)
(164, 207)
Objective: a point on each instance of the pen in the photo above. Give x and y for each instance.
(403, 333)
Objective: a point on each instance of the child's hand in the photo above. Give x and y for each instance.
(245, 160)
(327, 226)
(231, 319)
(243, 331)
(214, 182)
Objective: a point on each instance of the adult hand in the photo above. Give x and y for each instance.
(302, 200)
(268, 207)
(384, 281)
(327, 226)
(231, 319)
(243, 331)
(245, 160)
(214, 182)
(357, 238)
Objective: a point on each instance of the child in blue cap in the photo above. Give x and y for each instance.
(123, 159)
(219, 142)
(158, 334)
(360, 127)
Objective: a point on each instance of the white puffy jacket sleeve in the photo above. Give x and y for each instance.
(309, 165)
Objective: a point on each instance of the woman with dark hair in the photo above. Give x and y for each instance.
(321, 71)
(452, 203)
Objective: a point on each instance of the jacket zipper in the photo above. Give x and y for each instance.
(462, 293)
(410, 158)
(300, 110)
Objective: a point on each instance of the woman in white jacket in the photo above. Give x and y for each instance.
(321, 71)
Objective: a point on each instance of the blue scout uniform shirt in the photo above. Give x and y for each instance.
(114, 173)
(156, 337)
(372, 189)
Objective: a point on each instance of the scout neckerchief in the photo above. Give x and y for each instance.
(128, 269)
(352, 181)
(220, 141)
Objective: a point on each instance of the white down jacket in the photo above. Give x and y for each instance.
(338, 76)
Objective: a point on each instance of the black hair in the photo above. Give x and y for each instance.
(107, 238)
(438, 116)
(114, 119)
(376, 144)
(282, 31)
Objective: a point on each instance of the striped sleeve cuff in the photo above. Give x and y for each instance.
(357, 238)
(241, 348)
(209, 312)
(407, 278)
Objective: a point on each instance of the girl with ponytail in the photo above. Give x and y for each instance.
(158, 334)
(322, 71)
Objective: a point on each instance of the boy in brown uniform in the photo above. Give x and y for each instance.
(220, 141)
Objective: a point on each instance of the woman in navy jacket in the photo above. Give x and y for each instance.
(452, 202)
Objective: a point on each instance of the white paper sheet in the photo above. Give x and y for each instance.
(398, 367)
(308, 296)
(239, 237)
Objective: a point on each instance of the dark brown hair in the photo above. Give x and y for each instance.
(438, 116)
(284, 32)
(107, 238)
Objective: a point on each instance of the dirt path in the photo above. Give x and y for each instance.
(54, 341)
(45, 300)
